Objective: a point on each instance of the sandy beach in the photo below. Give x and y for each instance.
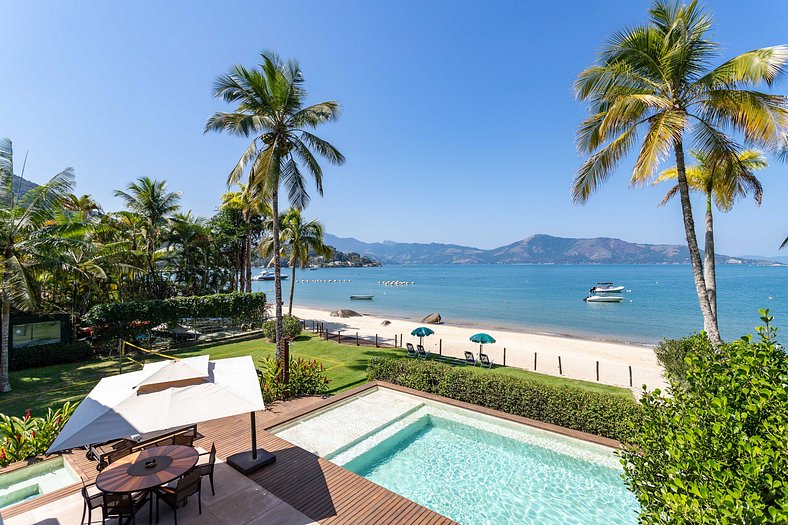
(579, 357)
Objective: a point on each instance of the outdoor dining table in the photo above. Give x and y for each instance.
(147, 469)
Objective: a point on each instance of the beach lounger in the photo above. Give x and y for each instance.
(411, 351)
(484, 360)
(420, 352)
(470, 359)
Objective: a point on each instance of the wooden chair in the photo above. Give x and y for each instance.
(117, 505)
(92, 501)
(206, 469)
(188, 484)
(183, 439)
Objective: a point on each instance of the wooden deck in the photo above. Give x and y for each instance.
(321, 490)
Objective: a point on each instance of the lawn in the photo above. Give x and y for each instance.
(39, 388)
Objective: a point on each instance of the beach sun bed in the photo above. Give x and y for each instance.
(485, 361)
(421, 353)
(470, 359)
(411, 351)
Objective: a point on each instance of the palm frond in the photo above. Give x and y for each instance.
(600, 165)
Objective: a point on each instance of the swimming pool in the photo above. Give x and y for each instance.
(473, 468)
(34, 480)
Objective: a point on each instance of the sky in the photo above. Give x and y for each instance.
(458, 117)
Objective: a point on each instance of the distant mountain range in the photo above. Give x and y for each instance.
(536, 249)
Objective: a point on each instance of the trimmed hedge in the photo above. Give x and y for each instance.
(123, 319)
(607, 415)
(44, 355)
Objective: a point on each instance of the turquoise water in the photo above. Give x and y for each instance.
(548, 298)
(477, 477)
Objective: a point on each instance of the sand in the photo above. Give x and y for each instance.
(579, 357)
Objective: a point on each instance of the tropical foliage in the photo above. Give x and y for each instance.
(270, 108)
(291, 328)
(307, 378)
(28, 436)
(652, 86)
(714, 450)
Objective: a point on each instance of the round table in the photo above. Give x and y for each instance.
(138, 472)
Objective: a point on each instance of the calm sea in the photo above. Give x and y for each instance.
(660, 300)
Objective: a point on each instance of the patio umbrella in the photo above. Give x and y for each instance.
(165, 395)
(482, 339)
(422, 332)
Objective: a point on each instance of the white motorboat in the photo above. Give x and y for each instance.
(606, 288)
(604, 298)
(267, 276)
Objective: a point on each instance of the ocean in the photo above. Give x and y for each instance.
(659, 301)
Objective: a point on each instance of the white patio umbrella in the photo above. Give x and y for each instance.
(164, 395)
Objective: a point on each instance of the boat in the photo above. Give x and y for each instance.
(361, 297)
(267, 276)
(606, 288)
(603, 299)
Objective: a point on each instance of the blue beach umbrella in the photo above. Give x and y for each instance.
(482, 339)
(422, 332)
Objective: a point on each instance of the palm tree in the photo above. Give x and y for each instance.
(655, 77)
(269, 107)
(150, 200)
(25, 230)
(253, 209)
(297, 240)
(722, 184)
(84, 205)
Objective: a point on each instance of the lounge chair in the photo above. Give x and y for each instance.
(421, 353)
(411, 350)
(485, 361)
(188, 484)
(470, 359)
(206, 468)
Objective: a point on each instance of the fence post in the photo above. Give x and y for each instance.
(356, 338)
(440, 346)
(597, 370)
(339, 337)
(400, 340)
(534, 361)
(376, 341)
(121, 345)
(560, 370)
(630, 376)
(504, 356)
(395, 341)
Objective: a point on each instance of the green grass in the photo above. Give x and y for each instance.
(39, 388)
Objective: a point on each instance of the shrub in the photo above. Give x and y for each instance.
(672, 354)
(134, 317)
(608, 415)
(307, 378)
(25, 437)
(54, 354)
(714, 451)
(291, 328)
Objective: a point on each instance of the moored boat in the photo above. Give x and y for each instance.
(361, 297)
(603, 299)
(606, 287)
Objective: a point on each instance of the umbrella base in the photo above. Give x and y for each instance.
(245, 464)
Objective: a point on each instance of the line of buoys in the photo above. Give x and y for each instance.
(324, 280)
(396, 283)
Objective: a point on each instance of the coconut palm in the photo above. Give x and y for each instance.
(653, 80)
(721, 184)
(26, 228)
(269, 108)
(253, 209)
(149, 199)
(84, 205)
(298, 238)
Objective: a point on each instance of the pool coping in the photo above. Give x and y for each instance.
(374, 385)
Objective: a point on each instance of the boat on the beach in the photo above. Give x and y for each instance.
(606, 287)
(361, 297)
(603, 298)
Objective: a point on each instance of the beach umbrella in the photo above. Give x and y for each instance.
(422, 332)
(482, 339)
(166, 395)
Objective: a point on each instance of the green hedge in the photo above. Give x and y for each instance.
(54, 354)
(607, 415)
(291, 325)
(125, 319)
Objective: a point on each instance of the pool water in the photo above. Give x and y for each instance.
(34, 480)
(473, 468)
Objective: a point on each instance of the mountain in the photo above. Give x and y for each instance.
(26, 185)
(783, 259)
(536, 249)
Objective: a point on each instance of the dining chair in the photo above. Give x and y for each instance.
(206, 469)
(92, 500)
(122, 505)
(188, 484)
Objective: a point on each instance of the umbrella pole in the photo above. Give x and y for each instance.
(254, 437)
(247, 462)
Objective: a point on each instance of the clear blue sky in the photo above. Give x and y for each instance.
(458, 121)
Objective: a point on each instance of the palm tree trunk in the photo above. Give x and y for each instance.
(248, 262)
(277, 277)
(292, 285)
(242, 266)
(709, 268)
(709, 319)
(5, 384)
